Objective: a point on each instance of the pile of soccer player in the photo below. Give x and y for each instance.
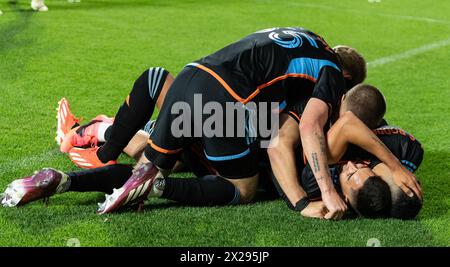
(331, 154)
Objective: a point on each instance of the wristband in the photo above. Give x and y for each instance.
(301, 204)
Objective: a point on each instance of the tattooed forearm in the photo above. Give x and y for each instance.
(315, 162)
(322, 143)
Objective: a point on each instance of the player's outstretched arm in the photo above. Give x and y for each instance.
(348, 129)
(314, 146)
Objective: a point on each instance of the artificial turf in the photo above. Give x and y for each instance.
(93, 51)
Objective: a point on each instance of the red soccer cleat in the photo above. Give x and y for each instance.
(85, 135)
(87, 158)
(66, 120)
(42, 185)
(135, 190)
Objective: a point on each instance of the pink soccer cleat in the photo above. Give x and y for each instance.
(135, 190)
(42, 185)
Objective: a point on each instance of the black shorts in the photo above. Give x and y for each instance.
(232, 155)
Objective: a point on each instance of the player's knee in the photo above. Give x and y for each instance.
(247, 188)
(246, 195)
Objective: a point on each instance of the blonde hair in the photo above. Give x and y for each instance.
(353, 62)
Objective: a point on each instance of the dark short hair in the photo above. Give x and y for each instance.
(374, 200)
(367, 103)
(405, 207)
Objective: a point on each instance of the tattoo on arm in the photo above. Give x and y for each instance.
(323, 147)
(315, 162)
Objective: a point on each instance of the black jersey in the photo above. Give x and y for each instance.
(402, 144)
(283, 65)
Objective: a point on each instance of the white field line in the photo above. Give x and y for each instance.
(14, 165)
(408, 53)
(360, 12)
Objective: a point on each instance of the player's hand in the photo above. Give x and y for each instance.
(407, 181)
(315, 209)
(335, 205)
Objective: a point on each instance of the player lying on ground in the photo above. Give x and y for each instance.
(366, 183)
(368, 105)
(351, 179)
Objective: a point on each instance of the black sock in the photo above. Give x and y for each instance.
(134, 113)
(108, 133)
(208, 190)
(103, 179)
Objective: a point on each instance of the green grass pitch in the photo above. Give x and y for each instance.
(92, 52)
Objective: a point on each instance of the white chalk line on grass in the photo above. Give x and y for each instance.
(14, 165)
(360, 12)
(408, 53)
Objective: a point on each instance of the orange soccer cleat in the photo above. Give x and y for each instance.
(66, 120)
(84, 136)
(87, 158)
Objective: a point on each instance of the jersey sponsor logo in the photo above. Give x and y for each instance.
(293, 40)
(387, 130)
(296, 40)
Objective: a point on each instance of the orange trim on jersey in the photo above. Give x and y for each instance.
(295, 115)
(258, 89)
(163, 150)
(222, 82)
(277, 79)
(127, 100)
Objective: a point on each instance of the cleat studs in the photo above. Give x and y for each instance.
(140, 207)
